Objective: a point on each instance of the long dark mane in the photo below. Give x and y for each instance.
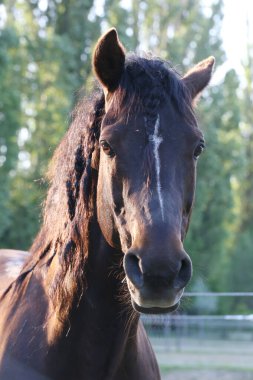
(70, 203)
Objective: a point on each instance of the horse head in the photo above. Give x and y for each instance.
(146, 161)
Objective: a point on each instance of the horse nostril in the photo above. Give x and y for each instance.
(184, 274)
(133, 269)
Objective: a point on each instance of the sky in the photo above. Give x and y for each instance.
(235, 32)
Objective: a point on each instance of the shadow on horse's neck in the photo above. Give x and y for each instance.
(102, 324)
(104, 294)
(105, 286)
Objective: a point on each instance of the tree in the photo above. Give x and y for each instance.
(55, 56)
(239, 276)
(213, 222)
(10, 114)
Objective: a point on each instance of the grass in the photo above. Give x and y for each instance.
(189, 354)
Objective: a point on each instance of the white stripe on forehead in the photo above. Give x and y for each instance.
(157, 140)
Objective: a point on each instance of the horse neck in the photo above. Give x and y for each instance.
(99, 325)
(106, 294)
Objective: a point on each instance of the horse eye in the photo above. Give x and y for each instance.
(106, 148)
(199, 150)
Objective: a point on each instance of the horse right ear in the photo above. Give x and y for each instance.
(109, 60)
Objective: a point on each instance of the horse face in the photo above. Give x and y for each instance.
(146, 187)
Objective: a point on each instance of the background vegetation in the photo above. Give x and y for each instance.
(45, 48)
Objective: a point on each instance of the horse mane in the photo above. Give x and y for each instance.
(70, 203)
(68, 208)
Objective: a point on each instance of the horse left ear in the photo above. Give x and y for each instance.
(109, 60)
(199, 76)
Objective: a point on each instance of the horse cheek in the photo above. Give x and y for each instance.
(106, 220)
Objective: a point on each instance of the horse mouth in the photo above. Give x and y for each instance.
(146, 303)
(155, 310)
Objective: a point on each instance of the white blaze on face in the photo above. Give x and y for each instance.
(157, 140)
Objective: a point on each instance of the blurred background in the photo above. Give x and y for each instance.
(45, 66)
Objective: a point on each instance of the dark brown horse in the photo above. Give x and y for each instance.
(117, 212)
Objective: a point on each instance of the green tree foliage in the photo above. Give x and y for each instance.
(10, 115)
(54, 46)
(239, 275)
(213, 219)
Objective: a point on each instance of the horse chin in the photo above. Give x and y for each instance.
(155, 310)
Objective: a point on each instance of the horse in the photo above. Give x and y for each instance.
(121, 191)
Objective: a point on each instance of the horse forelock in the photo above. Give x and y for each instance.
(148, 82)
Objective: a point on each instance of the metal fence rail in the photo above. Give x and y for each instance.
(216, 326)
(186, 345)
(220, 294)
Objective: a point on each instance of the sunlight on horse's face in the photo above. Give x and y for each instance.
(146, 186)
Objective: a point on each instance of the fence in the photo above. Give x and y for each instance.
(207, 327)
(195, 343)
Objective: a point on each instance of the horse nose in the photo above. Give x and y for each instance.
(158, 273)
(133, 270)
(184, 273)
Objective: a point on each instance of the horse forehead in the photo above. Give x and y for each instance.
(164, 123)
(140, 122)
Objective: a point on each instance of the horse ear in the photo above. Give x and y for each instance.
(109, 60)
(199, 76)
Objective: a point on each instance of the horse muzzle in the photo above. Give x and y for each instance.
(157, 285)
